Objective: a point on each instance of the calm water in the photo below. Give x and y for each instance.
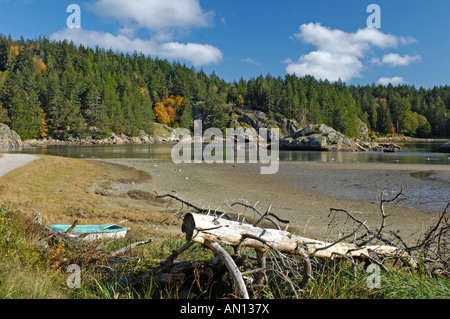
(428, 189)
(416, 153)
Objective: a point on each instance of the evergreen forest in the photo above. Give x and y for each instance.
(60, 90)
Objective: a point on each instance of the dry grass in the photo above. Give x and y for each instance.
(63, 190)
(51, 185)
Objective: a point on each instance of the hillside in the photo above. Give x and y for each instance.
(61, 91)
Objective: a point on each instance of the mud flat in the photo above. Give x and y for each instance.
(304, 192)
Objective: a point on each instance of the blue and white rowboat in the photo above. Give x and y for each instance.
(93, 232)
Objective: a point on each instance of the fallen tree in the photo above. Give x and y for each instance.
(282, 253)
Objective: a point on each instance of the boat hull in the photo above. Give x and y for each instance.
(93, 232)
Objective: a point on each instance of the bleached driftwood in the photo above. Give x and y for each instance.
(202, 229)
(214, 229)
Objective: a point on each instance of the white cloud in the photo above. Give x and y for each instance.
(155, 14)
(394, 59)
(394, 80)
(340, 42)
(338, 53)
(250, 61)
(197, 54)
(162, 18)
(326, 65)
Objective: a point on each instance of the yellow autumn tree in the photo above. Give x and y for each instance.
(161, 113)
(179, 101)
(39, 64)
(15, 49)
(241, 100)
(165, 111)
(170, 112)
(43, 129)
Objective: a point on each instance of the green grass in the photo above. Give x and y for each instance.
(23, 270)
(412, 285)
(340, 280)
(27, 270)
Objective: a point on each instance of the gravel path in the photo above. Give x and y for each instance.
(9, 162)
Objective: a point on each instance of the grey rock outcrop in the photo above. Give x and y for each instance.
(324, 138)
(9, 138)
(241, 117)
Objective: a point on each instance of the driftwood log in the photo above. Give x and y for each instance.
(203, 229)
(289, 253)
(213, 231)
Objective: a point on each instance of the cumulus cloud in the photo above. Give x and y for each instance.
(197, 54)
(394, 59)
(343, 43)
(161, 18)
(326, 65)
(338, 53)
(155, 14)
(394, 80)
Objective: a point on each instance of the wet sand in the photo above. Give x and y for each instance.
(304, 192)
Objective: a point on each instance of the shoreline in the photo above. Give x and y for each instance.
(302, 192)
(164, 136)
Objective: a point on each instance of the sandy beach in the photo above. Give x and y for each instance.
(304, 192)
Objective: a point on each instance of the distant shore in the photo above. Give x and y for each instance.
(166, 139)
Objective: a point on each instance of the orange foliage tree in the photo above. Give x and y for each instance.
(165, 111)
(39, 64)
(43, 129)
(161, 113)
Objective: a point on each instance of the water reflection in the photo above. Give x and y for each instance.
(415, 153)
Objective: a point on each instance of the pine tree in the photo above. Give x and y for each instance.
(384, 120)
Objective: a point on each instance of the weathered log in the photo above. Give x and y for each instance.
(232, 268)
(202, 229)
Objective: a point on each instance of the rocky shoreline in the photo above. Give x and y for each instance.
(324, 138)
(310, 138)
(112, 140)
(163, 134)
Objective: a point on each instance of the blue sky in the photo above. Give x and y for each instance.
(325, 38)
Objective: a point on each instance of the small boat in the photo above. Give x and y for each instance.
(93, 232)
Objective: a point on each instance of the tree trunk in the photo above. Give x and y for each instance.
(202, 229)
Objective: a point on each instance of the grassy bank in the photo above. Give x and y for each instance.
(60, 190)
(29, 271)
(63, 190)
